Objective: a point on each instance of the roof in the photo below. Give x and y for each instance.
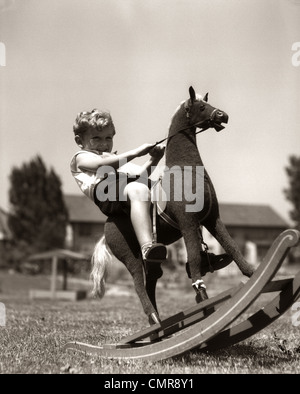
(251, 215)
(83, 210)
(5, 232)
(59, 253)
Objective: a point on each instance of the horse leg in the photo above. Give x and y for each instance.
(146, 293)
(191, 236)
(153, 273)
(123, 244)
(219, 231)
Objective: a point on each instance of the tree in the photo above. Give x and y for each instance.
(38, 215)
(293, 192)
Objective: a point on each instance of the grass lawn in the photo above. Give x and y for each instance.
(35, 331)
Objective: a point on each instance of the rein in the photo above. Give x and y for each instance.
(210, 122)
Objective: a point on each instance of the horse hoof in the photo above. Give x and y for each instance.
(248, 273)
(155, 338)
(154, 319)
(201, 295)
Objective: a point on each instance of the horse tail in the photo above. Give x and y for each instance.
(101, 259)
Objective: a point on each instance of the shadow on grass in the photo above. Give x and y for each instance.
(245, 357)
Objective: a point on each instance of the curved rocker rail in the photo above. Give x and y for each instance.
(201, 332)
(259, 320)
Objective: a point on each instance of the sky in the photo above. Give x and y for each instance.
(137, 59)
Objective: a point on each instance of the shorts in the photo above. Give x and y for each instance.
(109, 193)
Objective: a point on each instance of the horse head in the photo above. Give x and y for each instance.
(201, 114)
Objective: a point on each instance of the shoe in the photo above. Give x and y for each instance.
(155, 253)
(215, 262)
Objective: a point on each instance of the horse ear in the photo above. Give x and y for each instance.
(192, 93)
(205, 97)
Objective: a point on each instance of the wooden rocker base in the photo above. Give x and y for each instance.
(205, 325)
(290, 291)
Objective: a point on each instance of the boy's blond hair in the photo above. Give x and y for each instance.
(91, 119)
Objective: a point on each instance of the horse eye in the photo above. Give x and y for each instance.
(202, 107)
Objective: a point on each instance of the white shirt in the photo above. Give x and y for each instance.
(88, 179)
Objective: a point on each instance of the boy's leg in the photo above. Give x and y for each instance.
(139, 196)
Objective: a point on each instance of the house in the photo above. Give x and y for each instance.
(86, 223)
(253, 227)
(5, 236)
(250, 225)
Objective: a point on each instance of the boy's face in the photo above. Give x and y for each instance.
(95, 140)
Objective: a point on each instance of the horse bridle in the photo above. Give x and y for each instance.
(209, 123)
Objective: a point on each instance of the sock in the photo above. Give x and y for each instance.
(145, 246)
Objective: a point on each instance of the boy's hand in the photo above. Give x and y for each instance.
(143, 149)
(157, 151)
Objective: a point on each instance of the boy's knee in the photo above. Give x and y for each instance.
(137, 191)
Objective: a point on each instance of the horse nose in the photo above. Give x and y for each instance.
(222, 116)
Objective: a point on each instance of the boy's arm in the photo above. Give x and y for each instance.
(92, 163)
(156, 154)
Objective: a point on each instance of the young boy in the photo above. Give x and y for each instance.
(94, 132)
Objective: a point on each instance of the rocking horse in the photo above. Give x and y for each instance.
(119, 238)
